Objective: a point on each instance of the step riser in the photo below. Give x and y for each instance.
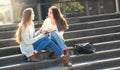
(8, 43)
(83, 33)
(93, 39)
(6, 35)
(101, 47)
(96, 56)
(7, 52)
(97, 66)
(92, 18)
(108, 46)
(97, 24)
(12, 60)
(8, 29)
(111, 68)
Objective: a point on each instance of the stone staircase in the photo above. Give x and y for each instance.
(102, 30)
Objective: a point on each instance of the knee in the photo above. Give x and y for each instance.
(47, 39)
(54, 33)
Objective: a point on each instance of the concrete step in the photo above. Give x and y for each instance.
(31, 65)
(94, 39)
(12, 59)
(98, 46)
(70, 20)
(11, 50)
(92, 31)
(7, 34)
(55, 62)
(70, 42)
(96, 65)
(14, 27)
(8, 42)
(76, 26)
(8, 27)
(6, 51)
(74, 33)
(94, 24)
(103, 31)
(111, 68)
(107, 45)
(93, 18)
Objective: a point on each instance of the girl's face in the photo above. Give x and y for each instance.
(50, 13)
(32, 15)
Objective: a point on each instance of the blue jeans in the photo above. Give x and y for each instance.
(44, 42)
(59, 41)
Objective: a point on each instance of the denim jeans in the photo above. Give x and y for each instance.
(59, 41)
(44, 42)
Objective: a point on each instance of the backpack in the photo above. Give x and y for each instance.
(85, 48)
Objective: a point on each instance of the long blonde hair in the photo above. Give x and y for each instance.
(25, 21)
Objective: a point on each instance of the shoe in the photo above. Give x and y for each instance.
(67, 52)
(35, 55)
(52, 55)
(33, 58)
(66, 61)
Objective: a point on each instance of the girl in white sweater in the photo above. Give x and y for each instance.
(57, 24)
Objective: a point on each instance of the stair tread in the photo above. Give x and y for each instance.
(93, 62)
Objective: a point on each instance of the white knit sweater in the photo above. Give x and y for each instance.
(47, 24)
(28, 38)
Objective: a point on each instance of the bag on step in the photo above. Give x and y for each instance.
(85, 48)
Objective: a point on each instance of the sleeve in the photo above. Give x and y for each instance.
(26, 37)
(45, 24)
(37, 33)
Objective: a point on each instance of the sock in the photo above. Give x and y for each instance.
(62, 55)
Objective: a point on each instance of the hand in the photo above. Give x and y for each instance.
(45, 34)
(40, 29)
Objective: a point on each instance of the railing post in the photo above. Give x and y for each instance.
(117, 6)
(39, 11)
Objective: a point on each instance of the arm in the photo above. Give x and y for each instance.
(26, 37)
(45, 24)
(37, 33)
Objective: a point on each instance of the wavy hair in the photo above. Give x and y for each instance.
(59, 19)
(25, 21)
